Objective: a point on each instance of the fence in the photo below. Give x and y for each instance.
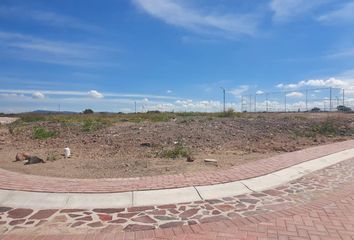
(325, 99)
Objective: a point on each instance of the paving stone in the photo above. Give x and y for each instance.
(166, 218)
(121, 220)
(95, 224)
(252, 201)
(71, 210)
(105, 217)
(156, 212)
(86, 218)
(42, 214)
(224, 207)
(213, 219)
(140, 209)
(171, 224)
(17, 222)
(19, 213)
(273, 192)
(215, 212)
(189, 213)
(143, 219)
(108, 210)
(74, 215)
(126, 215)
(138, 227)
(77, 224)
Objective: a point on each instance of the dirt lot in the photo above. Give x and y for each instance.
(116, 146)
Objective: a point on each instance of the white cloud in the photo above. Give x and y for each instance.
(330, 82)
(95, 94)
(259, 92)
(341, 15)
(83, 93)
(285, 10)
(342, 53)
(174, 13)
(46, 18)
(237, 92)
(38, 95)
(169, 91)
(295, 94)
(30, 48)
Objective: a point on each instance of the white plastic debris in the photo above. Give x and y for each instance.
(208, 160)
(67, 152)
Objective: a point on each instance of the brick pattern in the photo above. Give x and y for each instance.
(328, 219)
(258, 213)
(17, 181)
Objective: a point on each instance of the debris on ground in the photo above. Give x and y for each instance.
(209, 160)
(34, 160)
(22, 156)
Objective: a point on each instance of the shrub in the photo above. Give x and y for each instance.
(88, 111)
(41, 133)
(326, 128)
(177, 151)
(315, 109)
(342, 108)
(90, 125)
(230, 113)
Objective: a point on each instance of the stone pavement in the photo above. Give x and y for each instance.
(319, 205)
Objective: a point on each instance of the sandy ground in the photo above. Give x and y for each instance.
(134, 149)
(7, 120)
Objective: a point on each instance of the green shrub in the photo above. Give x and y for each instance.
(91, 125)
(41, 133)
(326, 128)
(88, 111)
(176, 152)
(230, 113)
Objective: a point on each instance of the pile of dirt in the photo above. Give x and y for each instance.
(128, 149)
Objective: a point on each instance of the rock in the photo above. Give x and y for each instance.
(22, 156)
(190, 159)
(146, 144)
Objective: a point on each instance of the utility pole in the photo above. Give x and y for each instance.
(241, 103)
(255, 102)
(266, 102)
(250, 103)
(330, 99)
(343, 98)
(224, 99)
(307, 109)
(59, 107)
(135, 106)
(285, 101)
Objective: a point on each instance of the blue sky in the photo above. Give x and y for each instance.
(170, 54)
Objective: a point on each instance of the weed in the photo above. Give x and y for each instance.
(176, 152)
(16, 127)
(52, 157)
(327, 129)
(41, 133)
(93, 125)
(230, 113)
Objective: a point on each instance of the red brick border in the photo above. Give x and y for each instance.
(23, 182)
